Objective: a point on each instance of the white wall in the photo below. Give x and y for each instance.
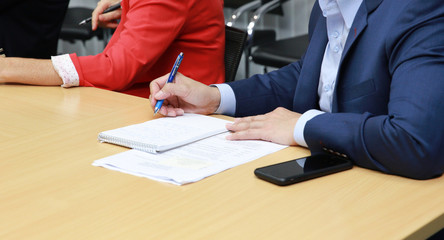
(83, 3)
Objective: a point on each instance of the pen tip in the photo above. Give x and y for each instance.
(82, 22)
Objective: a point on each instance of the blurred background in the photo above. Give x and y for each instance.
(289, 19)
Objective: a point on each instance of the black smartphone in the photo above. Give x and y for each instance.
(301, 169)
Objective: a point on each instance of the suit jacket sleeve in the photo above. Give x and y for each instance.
(260, 94)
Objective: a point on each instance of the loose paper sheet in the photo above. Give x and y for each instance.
(189, 163)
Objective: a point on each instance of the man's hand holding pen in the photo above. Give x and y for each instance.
(183, 95)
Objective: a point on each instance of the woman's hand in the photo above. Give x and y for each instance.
(108, 20)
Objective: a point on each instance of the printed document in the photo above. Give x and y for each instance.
(191, 162)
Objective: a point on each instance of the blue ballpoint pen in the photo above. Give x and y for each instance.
(170, 79)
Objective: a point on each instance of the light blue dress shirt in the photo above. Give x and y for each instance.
(340, 15)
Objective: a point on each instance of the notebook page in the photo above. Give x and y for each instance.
(165, 133)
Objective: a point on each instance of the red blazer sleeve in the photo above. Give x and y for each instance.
(148, 39)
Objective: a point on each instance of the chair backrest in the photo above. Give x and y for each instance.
(70, 27)
(235, 40)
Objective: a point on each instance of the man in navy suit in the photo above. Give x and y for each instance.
(30, 28)
(370, 88)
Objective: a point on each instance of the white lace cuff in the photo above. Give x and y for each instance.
(64, 66)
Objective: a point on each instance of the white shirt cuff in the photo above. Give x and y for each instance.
(298, 132)
(227, 104)
(64, 66)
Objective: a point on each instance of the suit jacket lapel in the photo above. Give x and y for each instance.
(359, 24)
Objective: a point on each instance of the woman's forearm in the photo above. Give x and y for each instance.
(28, 71)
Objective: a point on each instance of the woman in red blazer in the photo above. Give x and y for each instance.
(150, 35)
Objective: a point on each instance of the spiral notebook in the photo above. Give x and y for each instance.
(165, 133)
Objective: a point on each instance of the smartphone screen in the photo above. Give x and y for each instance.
(302, 169)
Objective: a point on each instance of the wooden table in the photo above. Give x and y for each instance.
(50, 190)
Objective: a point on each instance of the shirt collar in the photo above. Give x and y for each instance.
(348, 9)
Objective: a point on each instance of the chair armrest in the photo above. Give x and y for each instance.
(240, 10)
(257, 16)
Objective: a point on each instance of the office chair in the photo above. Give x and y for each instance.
(235, 40)
(280, 53)
(275, 53)
(72, 31)
(240, 7)
(256, 37)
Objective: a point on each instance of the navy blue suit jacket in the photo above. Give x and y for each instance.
(387, 111)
